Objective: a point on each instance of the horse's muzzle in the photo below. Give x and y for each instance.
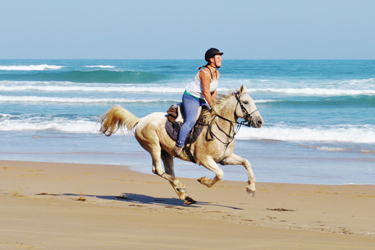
(256, 122)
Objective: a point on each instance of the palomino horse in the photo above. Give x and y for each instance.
(214, 145)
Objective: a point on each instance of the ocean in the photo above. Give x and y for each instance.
(319, 114)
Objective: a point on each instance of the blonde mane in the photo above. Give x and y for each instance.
(208, 115)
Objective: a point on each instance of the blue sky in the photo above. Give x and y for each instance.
(173, 29)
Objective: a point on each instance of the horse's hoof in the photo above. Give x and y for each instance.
(202, 180)
(250, 192)
(181, 190)
(189, 201)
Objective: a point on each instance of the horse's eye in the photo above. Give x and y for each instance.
(245, 102)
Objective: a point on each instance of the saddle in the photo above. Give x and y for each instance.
(176, 115)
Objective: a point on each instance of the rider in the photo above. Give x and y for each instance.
(201, 91)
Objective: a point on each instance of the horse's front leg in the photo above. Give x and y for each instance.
(210, 164)
(234, 159)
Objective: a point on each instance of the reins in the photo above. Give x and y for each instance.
(235, 131)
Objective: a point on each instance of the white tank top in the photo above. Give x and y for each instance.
(195, 88)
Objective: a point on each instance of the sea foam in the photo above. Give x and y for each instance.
(42, 99)
(57, 124)
(338, 133)
(31, 67)
(315, 91)
(101, 66)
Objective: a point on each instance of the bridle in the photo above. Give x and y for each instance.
(248, 119)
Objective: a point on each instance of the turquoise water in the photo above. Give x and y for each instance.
(319, 114)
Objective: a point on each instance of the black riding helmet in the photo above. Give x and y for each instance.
(211, 53)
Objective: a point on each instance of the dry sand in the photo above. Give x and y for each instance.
(73, 206)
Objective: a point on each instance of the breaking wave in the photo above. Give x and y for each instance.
(30, 67)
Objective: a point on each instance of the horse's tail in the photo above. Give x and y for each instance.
(117, 117)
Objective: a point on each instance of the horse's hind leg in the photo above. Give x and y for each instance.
(168, 163)
(158, 169)
(149, 140)
(169, 169)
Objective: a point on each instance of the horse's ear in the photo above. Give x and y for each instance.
(243, 89)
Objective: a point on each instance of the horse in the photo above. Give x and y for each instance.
(216, 147)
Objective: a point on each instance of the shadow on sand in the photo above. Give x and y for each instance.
(149, 200)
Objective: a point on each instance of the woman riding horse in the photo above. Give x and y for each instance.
(201, 91)
(208, 151)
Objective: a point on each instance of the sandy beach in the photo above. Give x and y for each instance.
(77, 206)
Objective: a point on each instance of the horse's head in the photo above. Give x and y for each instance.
(246, 108)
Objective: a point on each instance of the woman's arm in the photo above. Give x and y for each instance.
(206, 81)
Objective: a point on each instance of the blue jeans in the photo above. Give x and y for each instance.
(191, 106)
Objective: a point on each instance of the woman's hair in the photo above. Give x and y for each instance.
(204, 66)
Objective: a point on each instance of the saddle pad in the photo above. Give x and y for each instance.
(173, 129)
